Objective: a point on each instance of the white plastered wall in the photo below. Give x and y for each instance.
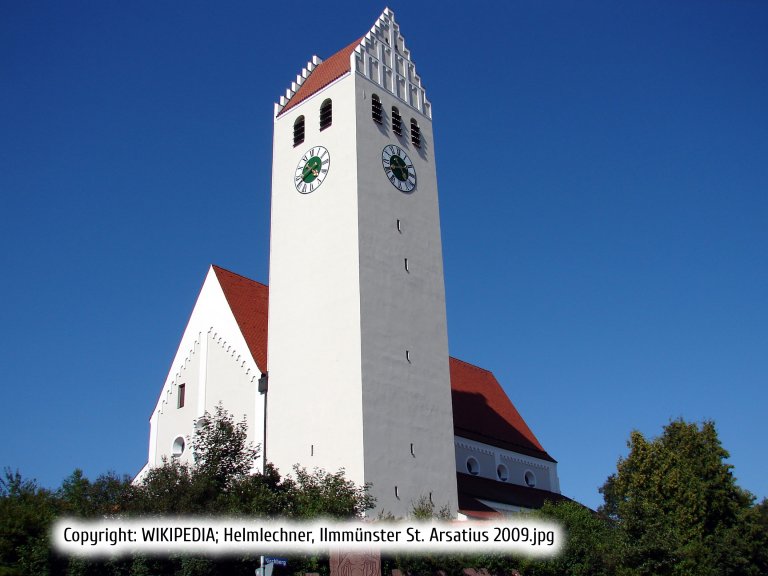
(490, 457)
(408, 420)
(230, 383)
(343, 310)
(315, 412)
(215, 364)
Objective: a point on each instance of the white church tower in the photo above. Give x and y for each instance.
(358, 349)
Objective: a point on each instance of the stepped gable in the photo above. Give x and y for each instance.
(383, 58)
(483, 412)
(249, 302)
(380, 55)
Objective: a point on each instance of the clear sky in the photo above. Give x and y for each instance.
(603, 173)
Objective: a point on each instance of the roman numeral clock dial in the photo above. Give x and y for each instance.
(312, 169)
(398, 168)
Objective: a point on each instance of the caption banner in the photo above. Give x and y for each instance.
(117, 537)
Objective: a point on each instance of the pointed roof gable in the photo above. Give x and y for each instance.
(381, 56)
(249, 302)
(483, 412)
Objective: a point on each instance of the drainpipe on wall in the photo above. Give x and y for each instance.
(263, 388)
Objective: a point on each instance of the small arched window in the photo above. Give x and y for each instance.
(376, 112)
(298, 131)
(326, 114)
(415, 133)
(397, 121)
(178, 447)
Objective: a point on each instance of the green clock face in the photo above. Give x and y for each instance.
(398, 168)
(312, 169)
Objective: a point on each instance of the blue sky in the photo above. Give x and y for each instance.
(603, 173)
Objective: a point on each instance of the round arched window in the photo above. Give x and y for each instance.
(473, 467)
(326, 114)
(377, 112)
(502, 472)
(298, 131)
(178, 447)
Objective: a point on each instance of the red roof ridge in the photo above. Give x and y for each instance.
(249, 302)
(221, 268)
(323, 74)
(475, 366)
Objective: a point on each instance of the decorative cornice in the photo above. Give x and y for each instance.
(233, 353)
(300, 78)
(502, 454)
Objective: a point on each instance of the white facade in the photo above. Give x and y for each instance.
(214, 365)
(358, 349)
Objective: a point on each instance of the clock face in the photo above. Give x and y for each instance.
(398, 168)
(312, 169)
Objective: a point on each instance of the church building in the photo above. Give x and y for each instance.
(343, 361)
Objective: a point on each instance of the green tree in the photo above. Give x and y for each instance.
(677, 505)
(222, 461)
(320, 493)
(108, 495)
(592, 547)
(26, 512)
(264, 495)
(221, 448)
(169, 489)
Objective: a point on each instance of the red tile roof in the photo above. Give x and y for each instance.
(249, 301)
(483, 412)
(325, 73)
(481, 409)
